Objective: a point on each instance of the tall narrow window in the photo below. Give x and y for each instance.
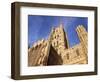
(57, 42)
(57, 35)
(68, 56)
(77, 52)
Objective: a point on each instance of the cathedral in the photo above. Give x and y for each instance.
(56, 51)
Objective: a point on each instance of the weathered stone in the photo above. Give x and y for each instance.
(56, 50)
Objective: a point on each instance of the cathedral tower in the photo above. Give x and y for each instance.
(83, 36)
(59, 38)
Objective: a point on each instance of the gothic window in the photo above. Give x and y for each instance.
(67, 56)
(77, 52)
(57, 35)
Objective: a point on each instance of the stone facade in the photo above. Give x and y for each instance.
(56, 51)
(37, 55)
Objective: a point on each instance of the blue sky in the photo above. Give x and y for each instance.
(39, 27)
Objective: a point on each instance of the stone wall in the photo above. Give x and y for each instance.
(74, 55)
(37, 55)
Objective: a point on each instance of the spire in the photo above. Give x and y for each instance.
(61, 24)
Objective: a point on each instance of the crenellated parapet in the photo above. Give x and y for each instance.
(38, 53)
